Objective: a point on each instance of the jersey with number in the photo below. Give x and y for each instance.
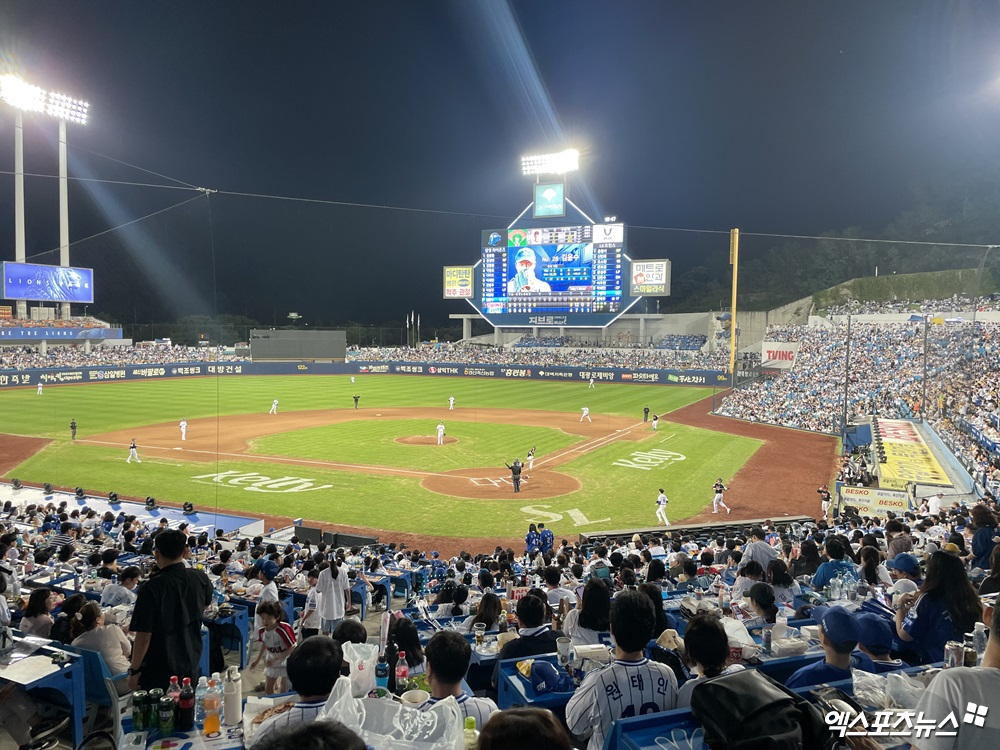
(661, 500)
(620, 690)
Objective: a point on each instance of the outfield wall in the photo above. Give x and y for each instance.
(69, 376)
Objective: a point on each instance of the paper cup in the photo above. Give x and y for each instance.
(415, 697)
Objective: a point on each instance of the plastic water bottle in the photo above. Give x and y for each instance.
(470, 737)
(979, 638)
(199, 700)
(232, 693)
(382, 672)
(174, 689)
(213, 707)
(218, 684)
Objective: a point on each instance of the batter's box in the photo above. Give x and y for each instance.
(488, 482)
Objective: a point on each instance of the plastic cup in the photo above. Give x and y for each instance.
(415, 697)
(480, 631)
(564, 647)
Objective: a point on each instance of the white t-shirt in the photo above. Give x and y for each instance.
(952, 690)
(112, 643)
(331, 603)
(582, 636)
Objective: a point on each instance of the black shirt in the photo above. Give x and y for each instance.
(170, 606)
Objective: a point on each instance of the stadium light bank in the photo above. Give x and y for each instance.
(24, 97)
(560, 163)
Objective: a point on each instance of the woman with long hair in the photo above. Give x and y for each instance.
(404, 637)
(90, 632)
(655, 594)
(706, 649)
(38, 619)
(808, 560)
(871, 570)
(488, 613)
(785, 587)
(590, 622)
(944, 608)
(763, 605)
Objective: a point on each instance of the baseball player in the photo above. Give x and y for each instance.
(184, 429)
(352, 380)
(656, 421)
(72, 429)
(531, 458)
(586, 414)
(591, 384)
(717, 502)
(661, 507)
(357, 397)
(39, 391)
(440, 431)
(274, 407)
(451, 403)
(645, 414)
(824, 497)
(132, 453)
(525, 279)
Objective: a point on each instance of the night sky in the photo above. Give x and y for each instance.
(785, 117)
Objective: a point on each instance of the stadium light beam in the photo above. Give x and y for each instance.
(560, 163)
(24, 97)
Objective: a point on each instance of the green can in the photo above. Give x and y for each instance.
(153, 707)
(167, 709)
(139, 698)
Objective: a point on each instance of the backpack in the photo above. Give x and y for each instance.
(748, 710)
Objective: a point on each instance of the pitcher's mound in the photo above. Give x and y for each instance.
(424, 440)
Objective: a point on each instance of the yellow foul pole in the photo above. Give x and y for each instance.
(734, 261)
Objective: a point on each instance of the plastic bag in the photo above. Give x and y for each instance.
(362, 658)
(869, 689)
(903, 691)
(389, 725)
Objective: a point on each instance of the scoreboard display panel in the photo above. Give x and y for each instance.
(554, 276)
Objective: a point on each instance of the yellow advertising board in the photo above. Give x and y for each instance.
(458, 282)
(908, 459)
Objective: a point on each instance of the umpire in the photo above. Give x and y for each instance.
(515, 474)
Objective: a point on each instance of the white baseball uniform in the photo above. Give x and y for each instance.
(531, 459)
(132, 454)
(274, 407)
(184, 429)
(352, 380)
(451, 403)
(586, 414)
(440, 429)
(661, 509)
(620, 690)
(591, 385)
(656, 421)
(39, 388)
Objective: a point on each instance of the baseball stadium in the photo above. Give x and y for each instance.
(330, 420)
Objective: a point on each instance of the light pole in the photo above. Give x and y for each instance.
(24, 97)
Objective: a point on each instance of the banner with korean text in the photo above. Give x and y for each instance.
(458, 282)
(908, 458)
(871, 501)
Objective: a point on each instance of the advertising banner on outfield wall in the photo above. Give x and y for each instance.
(871, 501)
(68, 376)
(778, 355)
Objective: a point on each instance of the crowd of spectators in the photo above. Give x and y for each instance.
(681, 342)
(30, 357)
(634, 358)
(931, 566)
(87, 322)
(548, 342)
(885, 375)
(956, 304)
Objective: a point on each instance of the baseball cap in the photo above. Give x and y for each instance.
(875, 633)
(525, 254)
(545, 678)
(904, 586)
(269, 570)
(838, 624)
(952, 548)
(904, 562)
(930, 548)
(435, 554)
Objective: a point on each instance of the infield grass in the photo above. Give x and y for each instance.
(612, 496)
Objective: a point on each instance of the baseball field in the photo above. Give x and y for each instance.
(379, 466)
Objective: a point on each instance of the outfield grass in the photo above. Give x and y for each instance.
(612, 495)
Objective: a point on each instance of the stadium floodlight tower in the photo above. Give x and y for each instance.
(24, 97)
(560, 163)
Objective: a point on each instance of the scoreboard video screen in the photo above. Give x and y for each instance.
(554, 276)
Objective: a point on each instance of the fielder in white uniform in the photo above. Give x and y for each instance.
(631, 685)
(656, 422)
(661, 507)
(591, 385)
(717, 501)
(132, 453)
(352, 380)
(451, 403)
(274, 407)
(39, 388)
(586, 414)
(440, 430)
(531, 458)
(184, 429)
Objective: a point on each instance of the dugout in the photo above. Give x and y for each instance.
(297, 345)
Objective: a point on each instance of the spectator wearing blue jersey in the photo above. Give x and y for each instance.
(838, 636)
(546, 539)
(532, 541)
(836, 565)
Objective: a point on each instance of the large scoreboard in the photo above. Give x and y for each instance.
(554, 276)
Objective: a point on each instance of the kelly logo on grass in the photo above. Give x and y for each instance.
(654, 458)
(254, 482)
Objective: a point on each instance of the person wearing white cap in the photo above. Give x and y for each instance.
(525, 280)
